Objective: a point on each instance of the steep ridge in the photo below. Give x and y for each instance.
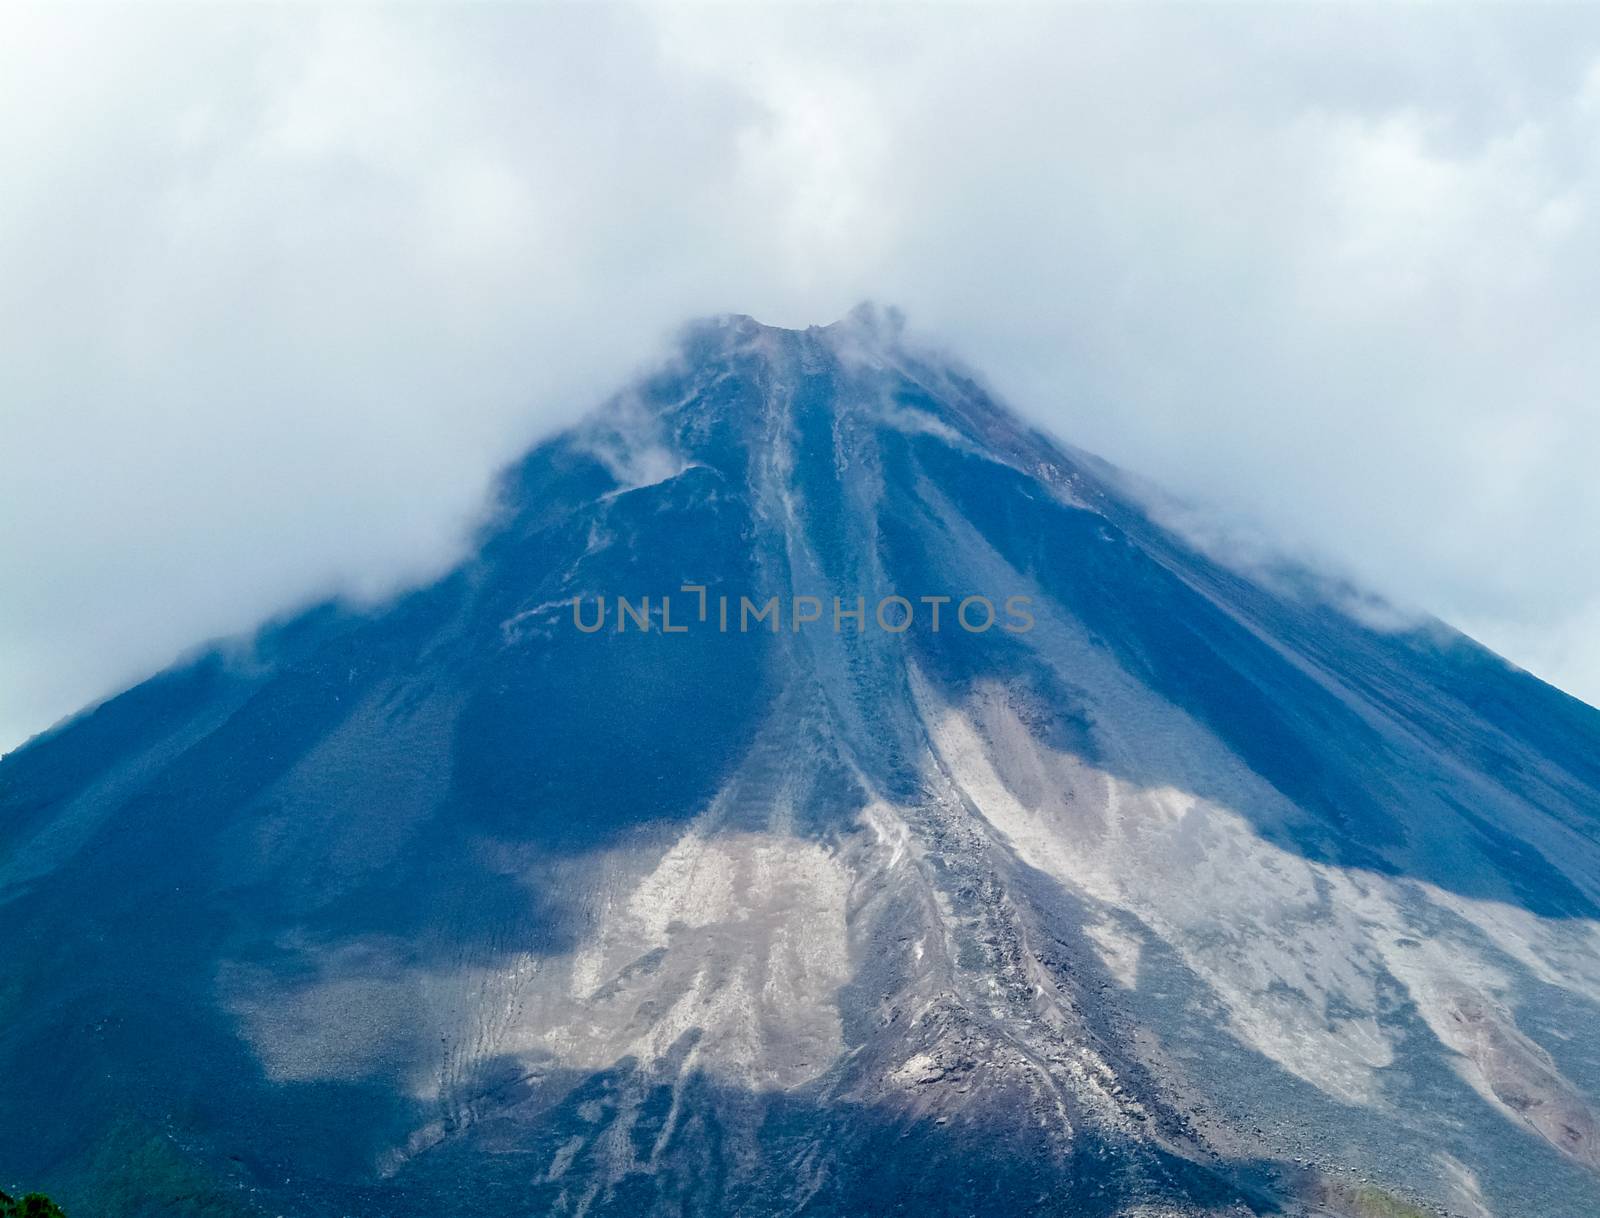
(1202, 894)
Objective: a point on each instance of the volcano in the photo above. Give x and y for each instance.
(1205, 891)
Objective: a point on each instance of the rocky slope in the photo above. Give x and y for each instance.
(1205, 893)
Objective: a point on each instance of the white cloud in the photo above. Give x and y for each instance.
(282, 285)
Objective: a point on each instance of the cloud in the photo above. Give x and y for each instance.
(282, 286)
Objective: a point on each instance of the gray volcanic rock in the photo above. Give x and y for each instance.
(1204, 894)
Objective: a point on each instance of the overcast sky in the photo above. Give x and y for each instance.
(280, 288)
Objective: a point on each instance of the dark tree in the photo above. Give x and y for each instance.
(34, 1205)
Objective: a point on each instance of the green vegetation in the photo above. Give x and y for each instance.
(139, 1172)
(1373, 1202)
(34, 1205)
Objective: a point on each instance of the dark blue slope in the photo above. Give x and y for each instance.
(392, 777)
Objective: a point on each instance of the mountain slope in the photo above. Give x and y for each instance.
(1197, 896)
